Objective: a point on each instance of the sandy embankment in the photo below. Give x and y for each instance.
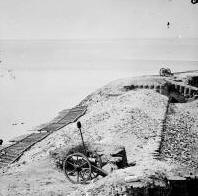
(181, 138)
(132, 119)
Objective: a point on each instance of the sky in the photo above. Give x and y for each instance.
(97, 19)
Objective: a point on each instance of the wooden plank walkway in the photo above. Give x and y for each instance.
(12, 153)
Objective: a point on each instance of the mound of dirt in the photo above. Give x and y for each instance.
(181, 137)
(132, 119)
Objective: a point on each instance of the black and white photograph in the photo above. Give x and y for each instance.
(98, 97)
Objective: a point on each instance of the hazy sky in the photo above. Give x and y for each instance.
(97, 19)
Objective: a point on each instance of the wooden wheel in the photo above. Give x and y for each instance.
(77, 168)
(194, 1)
(162, 72)
(169, 72)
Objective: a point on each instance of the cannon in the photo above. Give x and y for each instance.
(80, 168)
(165, 72)
(83, 166)
(194, 1)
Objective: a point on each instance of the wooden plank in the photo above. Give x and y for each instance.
(21, 144)
(78, 108)
(6, 158)
(9, 153)
(43, 134)
(81, 111)
(2, 160)
(35, 135)
(60, 127)
(9, 156)
(63, 124)
(28, 148)
(100, 171)
(48, 129)
(70, 119)
(19, 138)
(5, 149)
(56, 126)
(53, 128)
(42, 130)
(64, 121)
(74, 113)
(13, 152)
(29, 140)
(71, 116)
(2, 164)
(20, 148)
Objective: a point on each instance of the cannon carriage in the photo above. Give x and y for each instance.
(81, 165)
(80, 169)
(165, 72)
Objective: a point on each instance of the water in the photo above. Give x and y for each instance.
(40, 78)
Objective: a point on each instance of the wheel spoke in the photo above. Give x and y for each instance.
(82, 176)
(83, 164)
(77, 160)
(73, 160)
(72, 172)
(93, 175)
(84, 169)
(77, 168)
(77, 176)
(71, 164)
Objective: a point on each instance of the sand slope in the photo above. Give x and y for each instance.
(132, 119)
